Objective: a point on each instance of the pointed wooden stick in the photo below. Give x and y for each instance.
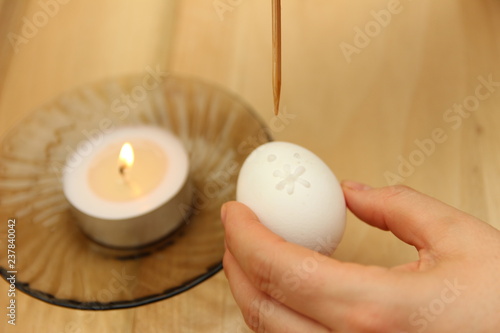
(276, 54)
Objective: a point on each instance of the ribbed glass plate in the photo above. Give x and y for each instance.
(54, 261)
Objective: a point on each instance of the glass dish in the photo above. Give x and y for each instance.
(54, 261)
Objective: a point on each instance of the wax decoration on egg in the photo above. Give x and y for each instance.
(295, 194)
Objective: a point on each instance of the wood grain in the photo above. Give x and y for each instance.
(363, 112)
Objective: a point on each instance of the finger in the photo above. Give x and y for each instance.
(413, 217)
(263, 313)
(312, 284)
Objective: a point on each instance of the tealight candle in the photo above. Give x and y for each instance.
(131, 189)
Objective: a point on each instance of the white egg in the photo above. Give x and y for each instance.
(294, 194)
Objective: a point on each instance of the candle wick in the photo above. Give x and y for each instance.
(123, 173)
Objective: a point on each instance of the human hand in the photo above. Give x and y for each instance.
(453, 287)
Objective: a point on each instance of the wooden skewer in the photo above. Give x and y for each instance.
(276, 54)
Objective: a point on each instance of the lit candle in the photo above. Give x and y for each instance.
(131, 189)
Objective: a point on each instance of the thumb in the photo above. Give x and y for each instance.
(413, 217)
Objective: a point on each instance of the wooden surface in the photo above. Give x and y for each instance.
(362, 114)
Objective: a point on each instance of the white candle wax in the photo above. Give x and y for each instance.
(129, 206)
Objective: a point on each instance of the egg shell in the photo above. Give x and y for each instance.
(295, 194)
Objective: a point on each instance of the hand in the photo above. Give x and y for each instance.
(453, 287)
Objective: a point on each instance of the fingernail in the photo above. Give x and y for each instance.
(355, 185)
(223, 213)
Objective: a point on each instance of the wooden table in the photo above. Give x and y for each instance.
(366, 85)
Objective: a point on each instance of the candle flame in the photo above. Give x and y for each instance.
(126, 159)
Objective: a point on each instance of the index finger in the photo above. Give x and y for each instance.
(302, 279)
